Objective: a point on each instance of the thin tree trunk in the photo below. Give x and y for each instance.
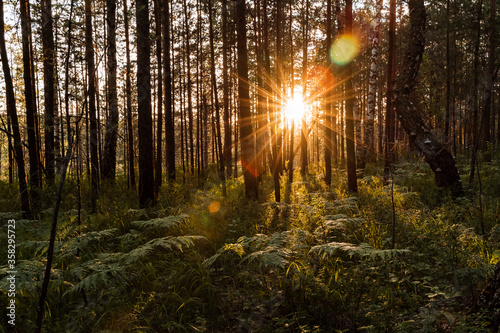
(169, 115)
(245, 121)
(109, 160)
(390, 123)
(49, 85)
(89, 52)
(351, 154)
(159, 124)
(12, 116)
(128, 93)
(29, 94)
(189, 85)
(303, 130)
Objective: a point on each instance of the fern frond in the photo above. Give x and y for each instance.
(362, 250)
(169, 243)
(161, 223)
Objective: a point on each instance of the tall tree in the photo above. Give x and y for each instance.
(145, 123)
(159, 104)
(12, 116)
(109, 160)
(350, 148)
(89, 54)
(328, 104)
(303, 131)
(169, 119)
(436, 155)
(49, 87)
(189, 85)
(128, 94)
(225, 91)
(30, 98)
(245, 119)
(390, 119)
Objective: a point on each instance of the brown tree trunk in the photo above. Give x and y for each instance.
(436, 155)
(30, 99)
(189, 86)
(128, 94)
(49, 85)
(12, 116)
(304, 131)
(245, 121)
(390, 124)
(225, 78)
(145, 124)
(109, 158)
(350, 148)
(169, 121)
(89, 52)
(159, 119)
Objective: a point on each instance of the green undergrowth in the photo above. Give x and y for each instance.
(321, 260)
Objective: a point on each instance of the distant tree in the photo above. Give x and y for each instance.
(303, 132)
(128, 95)
(145, 122)
(12, 116)
(245, 121)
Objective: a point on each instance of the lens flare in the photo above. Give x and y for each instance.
(344, 50)
(294, 108)
(214, 207)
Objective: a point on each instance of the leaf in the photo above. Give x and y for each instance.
(161, 223)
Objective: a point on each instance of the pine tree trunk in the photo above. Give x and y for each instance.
(94, 158)
(169, 121)
(145, 121)
(128, 96)
(328, 105)
(109, 158)
(49, 85)
(12, 116)
(245, 121)
(303, 131)
(225, 92)
(436, 155)
(159, 120)
(189, 86)
(30, 99)
(350, 148)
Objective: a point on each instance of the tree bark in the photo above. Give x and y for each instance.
(169, 121)
(352, 183)
(328, 104)
(390, 124)
(128, 93)
(436, 155)
(109, 161)
(12, 116)
(304, 131)
(145, 121)
(189, 85)
(89, 53)
(159, 119)
(225, 92)
(245, 121)
(49, 85)
(30, 99)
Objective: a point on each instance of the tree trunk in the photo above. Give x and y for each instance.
(109, 161)
(159, 120)
(12, 116)
(169, 121)
(328, 104)
(303, 131)
(390, 123)
(189, 101)
(145, 124)
(436, 155)
(245, 121)
(49, 85)
(89, 53)
(128, 93)
(225, 92)
(351, 153)
(30, 99)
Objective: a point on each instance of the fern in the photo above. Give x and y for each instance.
(362, 250)
(161, 223)
(167, 243)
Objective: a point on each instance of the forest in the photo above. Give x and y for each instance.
(249, 166)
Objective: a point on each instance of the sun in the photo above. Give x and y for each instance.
(294, 108)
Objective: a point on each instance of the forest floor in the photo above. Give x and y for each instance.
(397, 257)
